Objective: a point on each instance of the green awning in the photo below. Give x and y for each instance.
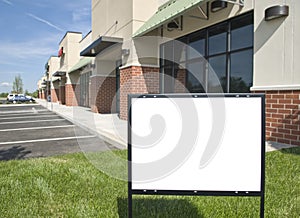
(81, 63)
(165, 13)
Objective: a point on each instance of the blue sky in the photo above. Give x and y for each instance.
(30, 32)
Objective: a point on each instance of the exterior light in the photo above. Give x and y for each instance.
(218, 5)
(221, 4)
(125, 52)
(276, 12)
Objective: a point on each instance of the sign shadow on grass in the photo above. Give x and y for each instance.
(158, 207)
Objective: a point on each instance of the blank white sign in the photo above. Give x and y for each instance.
(203, 144)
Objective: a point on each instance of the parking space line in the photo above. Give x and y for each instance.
(23, 111)
(26, 114)
(33, 128)
(46, 140)
(30, 121)
(24, 117)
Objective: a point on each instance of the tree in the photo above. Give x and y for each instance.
(17, 85)
(35, 94)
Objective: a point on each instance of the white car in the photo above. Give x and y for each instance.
(10, 97)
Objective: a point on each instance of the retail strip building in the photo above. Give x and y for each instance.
(181, 46)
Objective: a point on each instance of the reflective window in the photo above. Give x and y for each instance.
(217, 74)
(242, 33)
(241, 69)
(167, 53)
(196, 47)
(197, 76)
(216, 59)
(217, 39)
(168, 80)
(179, 52)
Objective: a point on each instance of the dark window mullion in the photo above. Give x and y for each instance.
(228, 57)
(207, 63)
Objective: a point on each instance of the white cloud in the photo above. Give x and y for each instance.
(7, 2)
(82, 14)
(5, 84)
(45, 22)
(35, 48)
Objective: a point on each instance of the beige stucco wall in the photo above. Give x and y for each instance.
(71, 48)
(86, 41)
(53, 64)
(276, 47)
(120, 18)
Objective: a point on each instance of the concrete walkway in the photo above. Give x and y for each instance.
(108, 126)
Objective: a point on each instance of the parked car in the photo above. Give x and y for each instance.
(21, 98)
(10, 96)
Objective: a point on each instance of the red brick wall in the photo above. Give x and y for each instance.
(42, 95)
(180, 82)
(71, 98)
(54, 95)
(102, 93)
(283, 116)
(137, 80)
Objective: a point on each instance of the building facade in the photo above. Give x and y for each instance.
(217, 46)
(195, 46)
(69, 49)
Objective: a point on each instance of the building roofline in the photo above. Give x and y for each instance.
(86, 35)
(67, 34)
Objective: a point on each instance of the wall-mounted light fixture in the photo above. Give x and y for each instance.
(125, 52)
(276, 12)
(175, 24)
(172, 25)
(221, 4)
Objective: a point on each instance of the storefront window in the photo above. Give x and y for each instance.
(241, 34)
(241, 71)
(217, 59)
(217, 80)
(217, 41)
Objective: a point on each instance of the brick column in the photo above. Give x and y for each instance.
(54, 95)
(43, 95)
(71, 98)
(137, 80)
(283, 116)
(102, 94)
(180, 81)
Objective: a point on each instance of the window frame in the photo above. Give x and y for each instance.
(192, 38)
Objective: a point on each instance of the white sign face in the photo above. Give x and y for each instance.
(196, 144)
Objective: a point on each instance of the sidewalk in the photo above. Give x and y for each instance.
(107, 126)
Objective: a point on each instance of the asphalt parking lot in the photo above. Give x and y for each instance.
(30, 130)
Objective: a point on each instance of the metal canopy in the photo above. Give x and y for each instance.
(165, 13)
(100, 45)
(80, 64)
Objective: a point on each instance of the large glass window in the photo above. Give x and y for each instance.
(217, 41)
(241, 33)
(217, 59)
(217, 81)
(84, 89)
(241, 71)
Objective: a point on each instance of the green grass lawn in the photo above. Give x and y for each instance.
(69, 186)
